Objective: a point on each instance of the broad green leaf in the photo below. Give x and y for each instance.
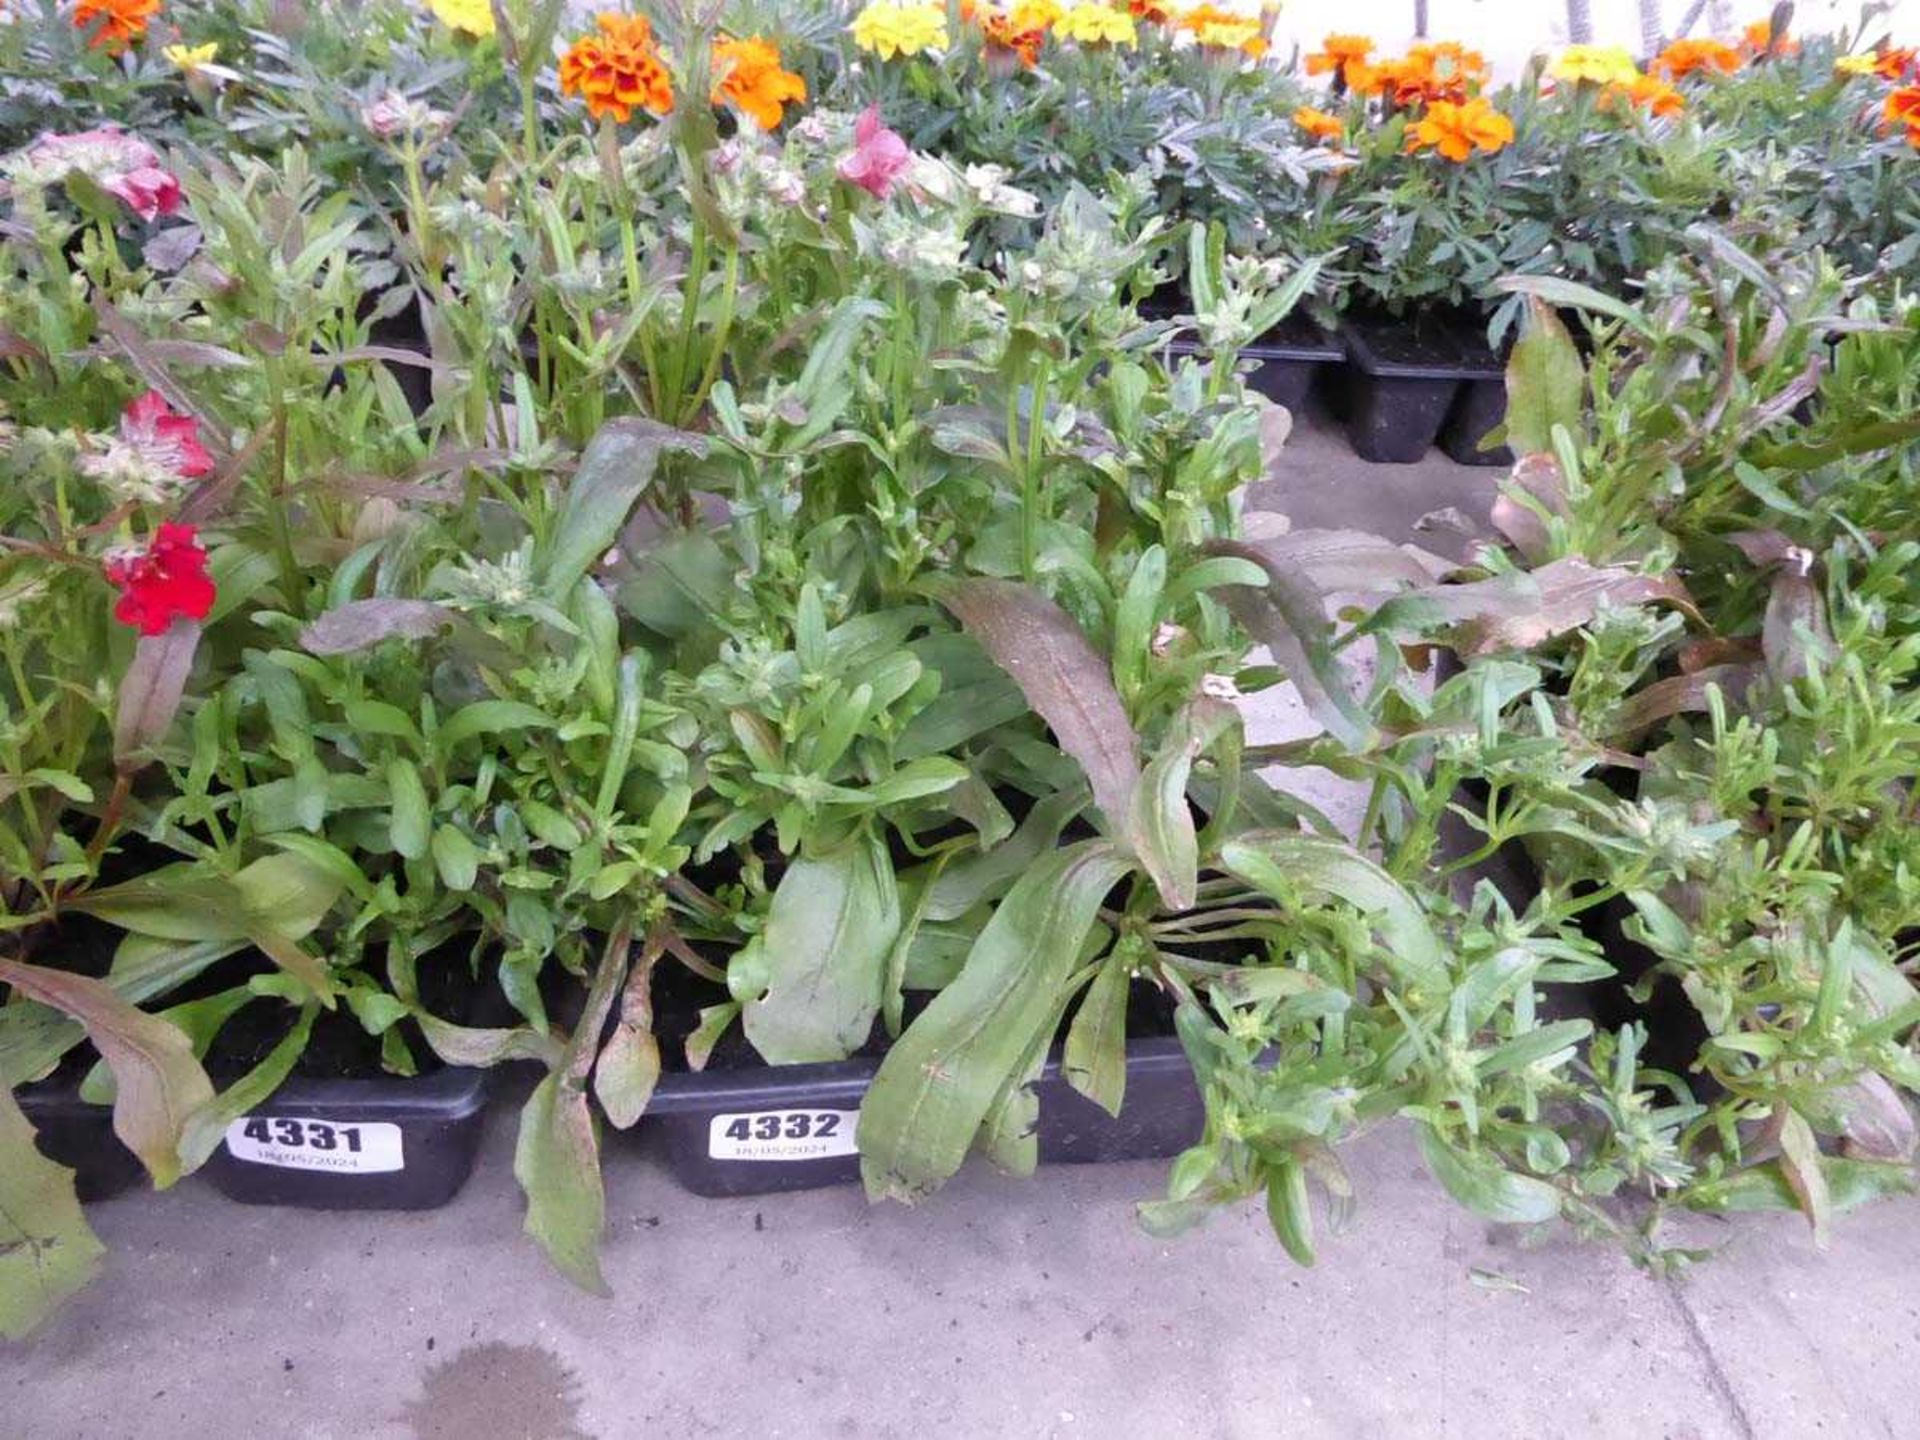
(1064, 679)
(1159, 826)
(557, 1162)
(1289, 1210)
(47, 1251)
(411, 822)
(628, 1066)
(947, 1071)
(1570, 293)
(287, 894)
(557, 1156)
(1484, 1185)
(487, 717)
(617, 467)
(983, 875)
(1800, 1163)
(833, 921)
(158, 1083)
(1010, 1135)
(679, 584)
(1546, 383)
(181, 902)
(1094, 1059)
(208, 1126)
(455, 857)
(1278, 863)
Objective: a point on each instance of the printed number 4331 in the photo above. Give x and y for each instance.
(303, 1134)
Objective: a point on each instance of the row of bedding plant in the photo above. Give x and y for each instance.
(1413, 178)
(734, 594)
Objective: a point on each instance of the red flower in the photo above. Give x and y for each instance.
(174, 440)
(878, 155)
(165, 581)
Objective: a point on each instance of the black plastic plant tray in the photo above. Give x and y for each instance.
(1480, 406)
(78, 1135)
(390, 1143)
(1285, 361)
(1402, 378)
(767, 1129)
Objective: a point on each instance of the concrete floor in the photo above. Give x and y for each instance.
(1000, 1308)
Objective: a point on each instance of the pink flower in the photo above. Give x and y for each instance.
(149, 192)
(878, 155)
(123, 165)
(173, 439)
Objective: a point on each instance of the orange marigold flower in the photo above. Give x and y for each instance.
(1894, 63)
(1340, 54)
(1456, 131)
(1686, 57)
(1319, 124)
(1757, 40)
(1151, 11)
(1649, 93)
(1903, 108)
(617, 69)
(1014, 34)
(747, 73)
(121, 21)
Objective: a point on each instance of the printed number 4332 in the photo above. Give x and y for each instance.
(787, 1125)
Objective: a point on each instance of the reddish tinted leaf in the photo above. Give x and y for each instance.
(150, 691)
(1063, 677)
(158, 1083)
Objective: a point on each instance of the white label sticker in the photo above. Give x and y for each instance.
(782, 1135)
(358, 1148)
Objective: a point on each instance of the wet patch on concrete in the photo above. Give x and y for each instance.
(497, 1391)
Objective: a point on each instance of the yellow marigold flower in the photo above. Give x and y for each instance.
(1319, 124)
(1035, 14)
(1092, 23)
(1224, 29)
(1857, 64)
(469, 17)
(1456, 131)
(888, 30)
(1594, 64)
(190, 58)
(748, 73)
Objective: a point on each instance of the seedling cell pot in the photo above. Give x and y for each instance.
(1481, 405)
(377, 1144)
(1284, 362)
(765, 1130)
(1402, 379)
(73, 1133)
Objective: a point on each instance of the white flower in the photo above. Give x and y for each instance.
(1166, 635)
(1219, 687)
(990, 189)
